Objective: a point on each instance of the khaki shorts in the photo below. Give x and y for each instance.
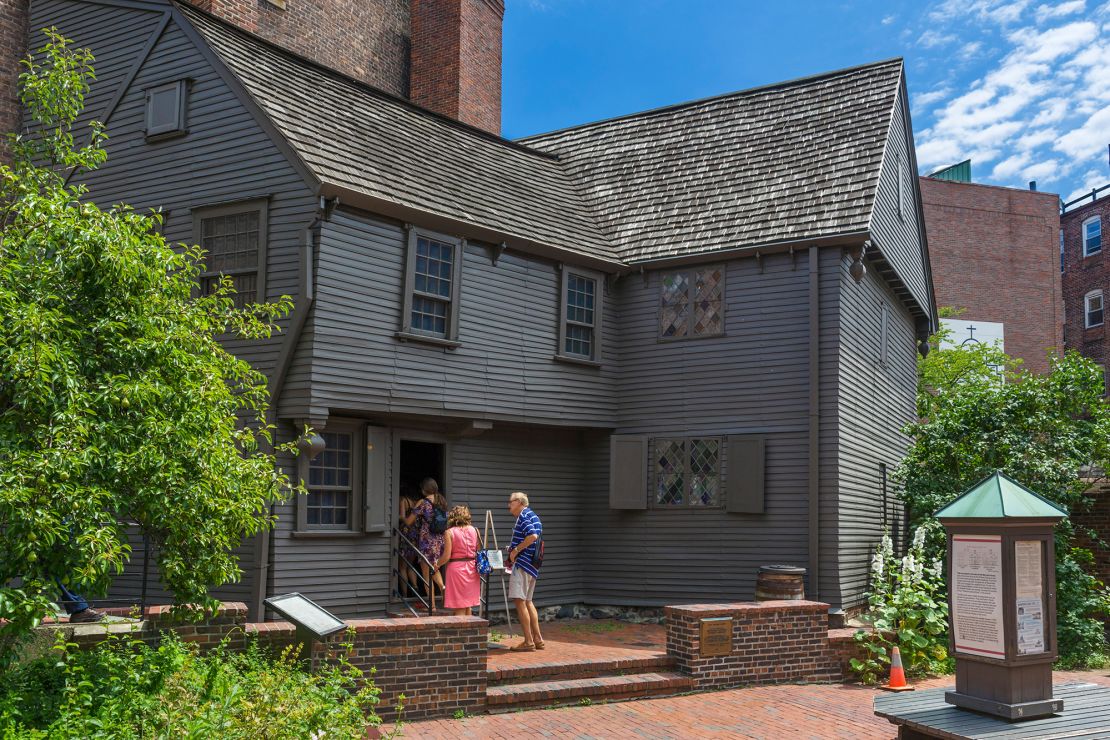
(521, 585)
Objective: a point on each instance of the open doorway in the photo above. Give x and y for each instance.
(420, 460)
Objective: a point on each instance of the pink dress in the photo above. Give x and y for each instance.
(463, 585)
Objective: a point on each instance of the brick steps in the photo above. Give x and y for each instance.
(510, 697)
(574, 669)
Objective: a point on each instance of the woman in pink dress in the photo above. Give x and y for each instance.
(460, 547)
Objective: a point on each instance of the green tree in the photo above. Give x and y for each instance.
(980, 412)
(117, 402)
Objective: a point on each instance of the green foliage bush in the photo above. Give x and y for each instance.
(117, 400)
(125, 689)
(981, 412)
(908, 610)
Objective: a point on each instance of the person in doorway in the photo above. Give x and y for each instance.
(460, 548)
(407, 568)
(428, 541)
(522, 583)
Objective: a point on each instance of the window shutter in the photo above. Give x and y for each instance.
(744, 476)
(376, 500)
(627, 472)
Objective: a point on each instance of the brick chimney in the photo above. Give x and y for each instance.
(243, 13)
(456, 59)
(13, 47)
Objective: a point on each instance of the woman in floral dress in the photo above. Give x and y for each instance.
(428, 542)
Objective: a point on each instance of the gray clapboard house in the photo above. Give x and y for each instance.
(688, 333)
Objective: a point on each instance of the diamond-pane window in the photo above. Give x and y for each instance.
(432, 276)
(691, 303)
(329, 483)
(688, 472)
(580, 316)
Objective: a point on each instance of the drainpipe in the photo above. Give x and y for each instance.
(302, 304)
(814, 425)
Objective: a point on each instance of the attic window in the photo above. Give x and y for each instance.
(165, 110)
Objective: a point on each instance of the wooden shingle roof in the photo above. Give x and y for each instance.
(352, 135)
(798, 159)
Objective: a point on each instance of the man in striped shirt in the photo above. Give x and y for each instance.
(522, 583)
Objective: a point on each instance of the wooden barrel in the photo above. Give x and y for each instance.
(780, 583)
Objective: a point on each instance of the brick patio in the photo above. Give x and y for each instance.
(816, 712)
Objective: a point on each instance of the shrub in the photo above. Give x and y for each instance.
(908, 610)
(126, 689)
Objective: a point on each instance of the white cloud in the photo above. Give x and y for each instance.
(931, 39)
(1046, 12)
(887, 20)
(1040, 106)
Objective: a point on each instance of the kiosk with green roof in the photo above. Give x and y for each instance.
(1002, 598)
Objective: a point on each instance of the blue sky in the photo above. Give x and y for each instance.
(1021, 87)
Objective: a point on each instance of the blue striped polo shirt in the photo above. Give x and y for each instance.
(526, 523)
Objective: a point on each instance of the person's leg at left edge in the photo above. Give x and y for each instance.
(77, 608)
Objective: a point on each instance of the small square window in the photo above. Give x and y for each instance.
(687, 472)
(691, 303)
(165, 110)
(1092, 236)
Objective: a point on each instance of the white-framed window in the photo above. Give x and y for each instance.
(166, 109)
(234, 238)
(1093, 309)
(692, 303)
(432, 273)
(1092, 236)
(580, 327)
(687, 472)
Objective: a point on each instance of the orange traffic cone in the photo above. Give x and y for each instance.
(897, 675)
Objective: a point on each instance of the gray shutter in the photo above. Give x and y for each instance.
(744, 474)
(627, 472)
(377, 485)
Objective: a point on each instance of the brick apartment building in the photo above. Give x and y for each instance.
(444, 55)
(1086, 278)
(995, 254)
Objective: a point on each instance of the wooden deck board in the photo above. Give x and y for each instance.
(1085, 715)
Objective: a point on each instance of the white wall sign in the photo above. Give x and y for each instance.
(1030, 605)
(977, 595)
(962, 332)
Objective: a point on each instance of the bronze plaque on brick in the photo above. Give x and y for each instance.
(716, 637)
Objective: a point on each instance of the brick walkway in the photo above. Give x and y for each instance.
(797, 712)
(581, 641)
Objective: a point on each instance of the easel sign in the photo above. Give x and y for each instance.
(497, 565)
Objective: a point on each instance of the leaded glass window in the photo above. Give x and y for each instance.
(580, 316)
(691, 303)
(233, 240)
(330, 483)
(688, 472)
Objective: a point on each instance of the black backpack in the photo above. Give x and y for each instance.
(439, 520)
(537, 559)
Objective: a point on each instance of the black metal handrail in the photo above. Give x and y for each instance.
(429, 583)
(1093, 195)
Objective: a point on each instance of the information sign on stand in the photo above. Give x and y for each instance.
(1002, 600)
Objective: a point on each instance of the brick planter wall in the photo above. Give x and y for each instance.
(772, 642)
(438, 663)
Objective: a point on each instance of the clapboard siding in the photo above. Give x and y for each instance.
(508, 327)
(351, 576)
(829, 426)
(875, 403)
(225, 156)
(897, 235)
(753, 379)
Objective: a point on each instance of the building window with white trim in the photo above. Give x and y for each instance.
(1092, 236)
(331, 483)
(1092, 309)
(579, 330)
